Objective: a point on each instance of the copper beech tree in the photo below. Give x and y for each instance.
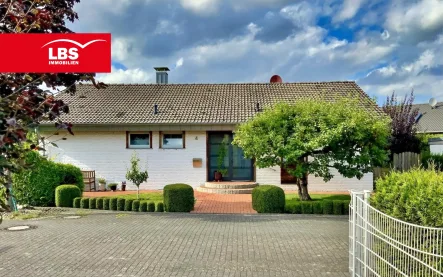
(23, 101)
(315, 135)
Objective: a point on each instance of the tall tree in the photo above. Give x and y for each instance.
(23, 101)
(403, 126)
(313, 136)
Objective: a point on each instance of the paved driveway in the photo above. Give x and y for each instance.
(176, 245)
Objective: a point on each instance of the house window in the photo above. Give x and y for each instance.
(138, 140)
(173, 140)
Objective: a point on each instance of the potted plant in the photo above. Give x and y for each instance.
(221, 170)
(102, 183)
(112, 186)
(123, 185)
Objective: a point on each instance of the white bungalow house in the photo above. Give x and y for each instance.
(176, 129)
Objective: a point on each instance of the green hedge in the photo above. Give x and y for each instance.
(121, 204)
(337, 207)
(106, 203)
(136, 205)
(84, 203)
(293, 208)
(143, 206)
(99, 204)
(113, 204)
(160, 208)
(306, 207)
(65, 195)
(435, 160)
(317, 207)
(92, 203)
(151, 207)
(328, 207)
(178, 198)
(76, 202)
(36, 185)
(128, 205)
(268, 199)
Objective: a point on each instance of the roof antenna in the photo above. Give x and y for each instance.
(155, 109)
(432, 103)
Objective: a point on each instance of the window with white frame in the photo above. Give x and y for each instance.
(173, 140)
(138, 140)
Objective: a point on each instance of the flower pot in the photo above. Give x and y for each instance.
(113, 188)
(217, 176)
(123, 187)
(102, 187)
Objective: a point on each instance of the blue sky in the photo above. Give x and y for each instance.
(384, 46)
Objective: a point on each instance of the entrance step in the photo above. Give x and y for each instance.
(228, 187)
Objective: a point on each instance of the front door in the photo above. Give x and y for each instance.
(238, 167)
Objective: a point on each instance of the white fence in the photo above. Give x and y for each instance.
(380, 245)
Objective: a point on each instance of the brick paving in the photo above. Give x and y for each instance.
(177, 245)
(209, 203)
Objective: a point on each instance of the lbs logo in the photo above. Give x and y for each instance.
(56, 53)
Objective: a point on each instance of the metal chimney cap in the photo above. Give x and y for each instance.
(161, 69)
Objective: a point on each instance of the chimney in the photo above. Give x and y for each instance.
(162, 75)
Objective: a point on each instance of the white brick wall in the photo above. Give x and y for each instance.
(268, 176)
(106, 153)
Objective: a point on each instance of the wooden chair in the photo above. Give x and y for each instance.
(89, 178)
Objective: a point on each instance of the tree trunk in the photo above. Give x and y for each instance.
(138, 192)
(302, 184)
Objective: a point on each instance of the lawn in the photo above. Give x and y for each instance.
(293, 197)
(152, 196)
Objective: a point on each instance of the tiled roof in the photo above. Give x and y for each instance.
(431, 120)
(192, 103)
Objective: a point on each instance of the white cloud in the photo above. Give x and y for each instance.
(129, 76)
(301, 14)
(167, 27)
(385, 35)
(179, 63)
(202, 7)
(348, 10)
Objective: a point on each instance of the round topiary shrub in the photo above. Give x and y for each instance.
(151, 207)
(76, 202)
(178, 198)
(136, 205)
(106, 203)
(160, 208)
(120, 204)
(327, 207)
(143, 206)
(337, 207)
(128, 205)
(268, 199)
(113, 204)
(92, 203)
(84, 203)
(306, 207)
(65, 194)
(317, 207)
(99, 204)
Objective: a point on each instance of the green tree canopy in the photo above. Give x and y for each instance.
(315, 135)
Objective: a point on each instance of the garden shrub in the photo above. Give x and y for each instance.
(106, 202)
(143, 206)
(113, 204)
(327, 207)
(128, 205)
(136, 205)
(65, 194)
(76, 203)
(178, 198)
(268, 199)
(151, 207)
(99, 204)
(317, 207)
(337, 207)
(346, 206)
(306, 207)
(36, 185)
(84, 203)
(160, 207)
(294, 208)
(92, 203)
(432, 160)
(120, 204)
(414, 196)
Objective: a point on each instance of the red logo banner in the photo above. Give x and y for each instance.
(55, 53)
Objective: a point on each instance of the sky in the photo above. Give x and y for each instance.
(384, 46)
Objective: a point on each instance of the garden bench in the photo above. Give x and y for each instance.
(89, 178)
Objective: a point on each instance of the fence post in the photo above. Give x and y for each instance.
(354, 242)
(367, 194)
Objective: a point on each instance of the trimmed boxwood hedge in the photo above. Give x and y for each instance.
(336, 207)
(120, 204)
(317, 207)
(113, 204)
(92, 203)
(136, 205)
(178, 198)
(268, 199)
(128, 205)
(65, 194)
(84, 203)
(151, 207)
(327, 206)
(293, 208)
(160, 208)
(106, 203)
(143, 206)
(76, 202)
(306, 207)
(99, 203)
